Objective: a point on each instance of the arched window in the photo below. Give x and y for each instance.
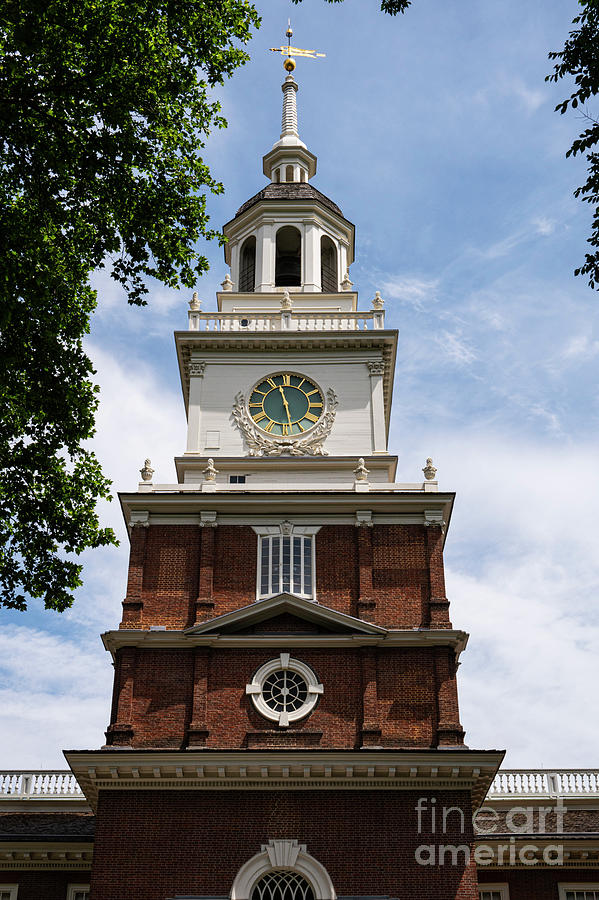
(302, 175)
(288, 262)
(247, 265)
(283, 885)
(289, 173)
(277, 176)
(328, 266)
(283, 870)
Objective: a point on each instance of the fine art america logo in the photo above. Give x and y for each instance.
(521, 835)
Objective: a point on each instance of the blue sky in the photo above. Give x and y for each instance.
(436, 135)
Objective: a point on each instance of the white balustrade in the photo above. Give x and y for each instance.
(286, 320)
(545, 782)
(21, 785)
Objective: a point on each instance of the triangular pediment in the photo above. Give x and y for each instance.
(286, 614)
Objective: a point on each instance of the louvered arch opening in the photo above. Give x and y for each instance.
(247, 266)
(328, 266)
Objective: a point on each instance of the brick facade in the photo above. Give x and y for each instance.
(391, 575)
(198, 841)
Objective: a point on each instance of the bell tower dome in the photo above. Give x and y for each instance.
(289, 235)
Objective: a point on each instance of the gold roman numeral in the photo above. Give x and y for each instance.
(311, 417)
(287, 380)
(309, 394)
(271, 382)
(270, 426)
(286, 428)
(260, 416)
(314, 405)
(301, 382)
(258, 405)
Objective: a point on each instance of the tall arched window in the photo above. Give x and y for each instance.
(247, 265)
(288, 173)
(288, 262)
(328, 266)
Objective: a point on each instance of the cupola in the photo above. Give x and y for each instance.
(289, 236)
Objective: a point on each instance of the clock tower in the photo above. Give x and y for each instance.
(284, 721)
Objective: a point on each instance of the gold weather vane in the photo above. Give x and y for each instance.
(290, 52)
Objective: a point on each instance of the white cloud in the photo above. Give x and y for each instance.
(456, 347)
(523, 579)
(544, 226)
(581, 348)
(55, 696)
(416, 292)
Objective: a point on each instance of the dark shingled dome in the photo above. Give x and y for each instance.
(292, 190)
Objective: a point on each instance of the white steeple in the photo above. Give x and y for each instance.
(289, 160)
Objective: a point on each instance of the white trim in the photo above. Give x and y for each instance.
(12, 889)
(285, 662)
(577, 886)
(74, 888)
(502, 889)
(284, 854)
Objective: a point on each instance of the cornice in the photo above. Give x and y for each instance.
(158, 640)
(399, 770)
(35, 855)
(383, 341)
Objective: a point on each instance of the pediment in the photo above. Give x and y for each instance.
(286, 614)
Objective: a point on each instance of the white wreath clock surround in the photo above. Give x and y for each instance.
(285, 414)
(284, 690)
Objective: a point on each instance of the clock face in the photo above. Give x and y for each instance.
(286, 404)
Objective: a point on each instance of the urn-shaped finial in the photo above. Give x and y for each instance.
(429, 470)
(147, 471)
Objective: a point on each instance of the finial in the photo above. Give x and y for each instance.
(377, 301)
(286, 300)
(147, 471)
(346, 284)
(429, 470)
(210, 472)
(195, 304)
(227, 284)
(361, 472)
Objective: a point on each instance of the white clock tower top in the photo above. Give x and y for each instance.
(287, 384)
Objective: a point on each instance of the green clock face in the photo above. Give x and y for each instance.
(286, 404)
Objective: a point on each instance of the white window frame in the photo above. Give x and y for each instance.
(502, 889)
(74, 888)
(12, 889)
(286, 529)
(576, 886)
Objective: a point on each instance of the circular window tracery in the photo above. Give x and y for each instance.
(284, 690)
(283, 885)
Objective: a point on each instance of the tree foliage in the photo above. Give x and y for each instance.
(392, 7)
(580, 59)
(104, 106)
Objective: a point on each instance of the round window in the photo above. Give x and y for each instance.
(284, 690)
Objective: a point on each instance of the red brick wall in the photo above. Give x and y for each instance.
(385, 574)
(404, 700)
(43, 885)
(536, 883)
(151, 845)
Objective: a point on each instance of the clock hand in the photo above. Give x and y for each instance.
(285, 404)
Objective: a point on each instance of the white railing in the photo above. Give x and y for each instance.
(286, 321)
(545, 782)
(320, 486)
(19, 785)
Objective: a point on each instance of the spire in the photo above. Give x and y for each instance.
(289, 159)
(289, 123)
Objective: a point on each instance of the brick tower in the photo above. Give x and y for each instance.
(285, 719)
